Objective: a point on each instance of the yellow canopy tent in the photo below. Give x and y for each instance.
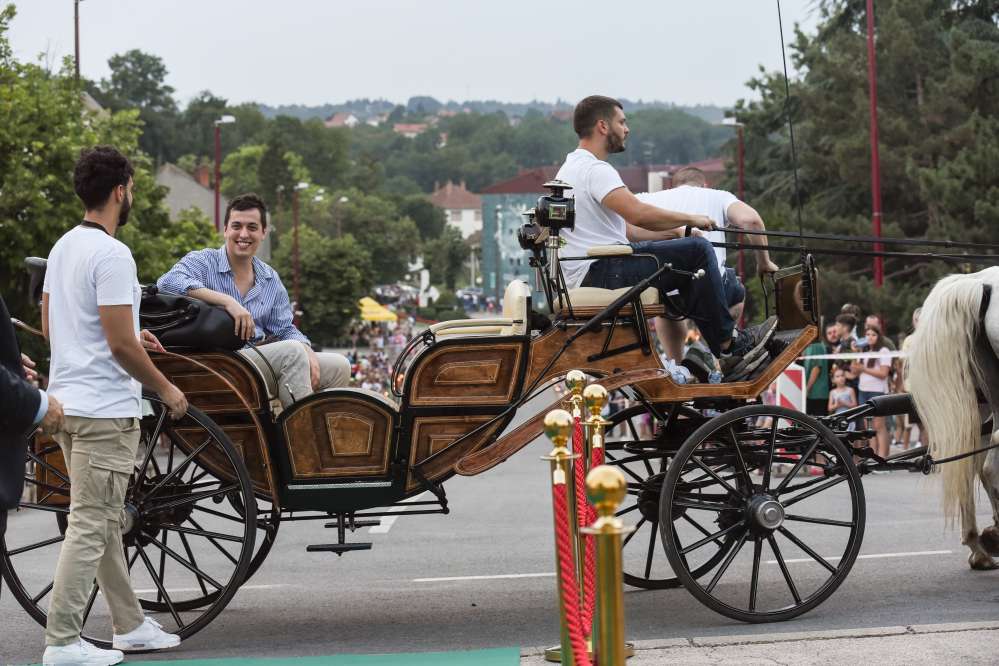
(372, 310)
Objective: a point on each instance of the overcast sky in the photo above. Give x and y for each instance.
(313, 52)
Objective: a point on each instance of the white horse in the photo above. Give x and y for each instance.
(955, 350)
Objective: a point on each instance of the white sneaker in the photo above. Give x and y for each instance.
(80, 653)
(147, 636)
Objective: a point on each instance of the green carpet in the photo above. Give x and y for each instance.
(494, 657)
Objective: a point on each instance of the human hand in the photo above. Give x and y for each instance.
(54, 418)
(150, 341)
(701, 222)
(175, 400)
(313, 367)
(767, 266)
(245, 328)
(29, 368)
(698, 233)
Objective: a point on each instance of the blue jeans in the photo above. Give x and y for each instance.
(702, 299)
(735, 292)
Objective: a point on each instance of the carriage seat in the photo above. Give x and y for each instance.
(588, 301)
(515, 319)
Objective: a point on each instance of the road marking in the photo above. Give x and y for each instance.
(389, 521)
(496, 577)
(872, 556)
(198, 589)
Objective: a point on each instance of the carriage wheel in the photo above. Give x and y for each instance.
(773, 480)
(631, 447)
(183, 541)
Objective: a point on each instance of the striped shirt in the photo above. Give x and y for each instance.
(267, 301)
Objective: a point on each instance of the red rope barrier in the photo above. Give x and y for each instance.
(585, 515)
(590, 556)
(567, 575)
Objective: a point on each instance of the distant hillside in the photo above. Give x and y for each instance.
(367, 108)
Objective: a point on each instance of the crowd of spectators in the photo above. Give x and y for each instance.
(870, 365)
(374, 348)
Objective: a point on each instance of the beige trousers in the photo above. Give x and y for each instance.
(100, 454)
(290, 360)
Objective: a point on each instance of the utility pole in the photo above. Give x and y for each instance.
(872, 79)
(76, 30)
(294, 256)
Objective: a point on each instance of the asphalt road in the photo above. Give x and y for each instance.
(386, 599)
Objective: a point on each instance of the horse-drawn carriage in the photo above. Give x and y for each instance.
(711, 470)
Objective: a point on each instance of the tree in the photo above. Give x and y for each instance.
(138, 82)
(429, 219)
(45, 127)
(240, 170)
(328, 306)
(445, 256)
(939, 130)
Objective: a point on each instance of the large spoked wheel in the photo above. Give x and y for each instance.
(637, 446)
(785, 490)
(187, 548)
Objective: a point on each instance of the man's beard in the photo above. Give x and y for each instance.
(126, 208)
(615, 143)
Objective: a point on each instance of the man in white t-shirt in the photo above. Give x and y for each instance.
(607, 213)
(99, 364)
(690, 194)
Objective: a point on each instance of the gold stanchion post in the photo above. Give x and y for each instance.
(606, 487)
(595, 399)
(558, 428)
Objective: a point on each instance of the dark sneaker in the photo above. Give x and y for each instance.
(700, 362)
(748, 350)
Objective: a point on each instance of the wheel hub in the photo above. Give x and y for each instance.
(765, 513)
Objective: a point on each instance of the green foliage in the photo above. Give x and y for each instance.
(444, 257)
(44, 129)
(429, 219)
(939, 134)
(240, 170)
(335, 274)
(670, 136)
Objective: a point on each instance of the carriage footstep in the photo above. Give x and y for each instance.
(338, 548)
(369, 522)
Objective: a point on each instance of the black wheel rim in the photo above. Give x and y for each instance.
(187, 549)
(783, 490)
(632, 447)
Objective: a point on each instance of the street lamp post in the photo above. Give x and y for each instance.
(224, 120)
(339, 215)
(295, 268)
(872, 81)
(76, 38)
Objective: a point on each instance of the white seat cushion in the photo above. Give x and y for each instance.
(582, 297)
(516, 306)
(619, 250)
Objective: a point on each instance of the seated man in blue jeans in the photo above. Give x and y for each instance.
(608, 213)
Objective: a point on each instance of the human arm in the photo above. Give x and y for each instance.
(636, 234)
(649, 217)
(743, 216)
(117, 322)
(245, 328)
(187, 277)
(813, 377)
(853, 397)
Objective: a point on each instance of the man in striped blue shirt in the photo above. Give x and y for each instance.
(251, 291)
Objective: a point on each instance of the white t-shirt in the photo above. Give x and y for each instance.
(870, 383)
(697, 201)
(591, 181)
(88, 268)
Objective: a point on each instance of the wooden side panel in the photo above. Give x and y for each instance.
(206, 391)
(52, 455)
(435, 434)
(466, 375)
(575, 357)
(338, 437)
(248, 443)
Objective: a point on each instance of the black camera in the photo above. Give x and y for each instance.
(530, 233)
(556, 211)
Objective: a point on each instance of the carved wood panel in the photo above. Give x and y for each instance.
(436, 434)
(206, 391)
(575, 357)
(338, 437)
(467, 375)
